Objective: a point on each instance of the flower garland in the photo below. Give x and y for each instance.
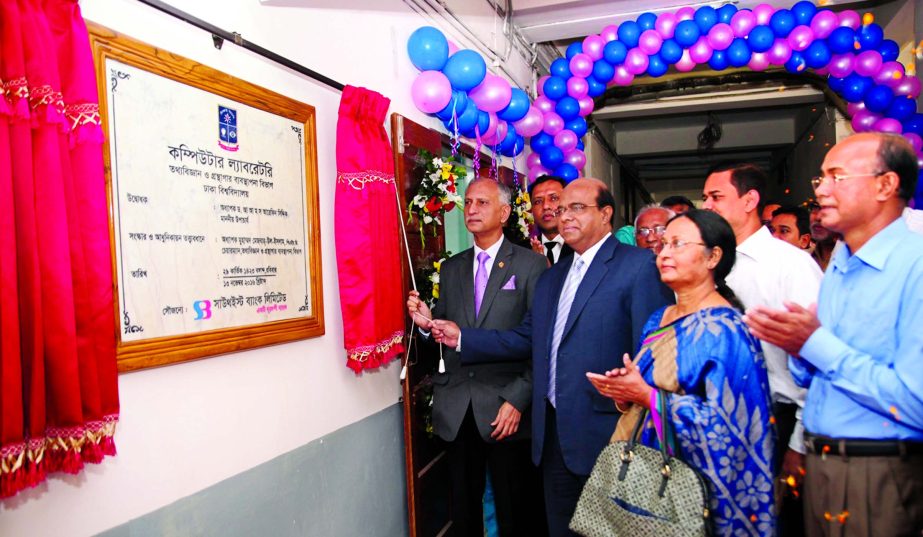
(522, 214)
(437, 193)
(429, 279)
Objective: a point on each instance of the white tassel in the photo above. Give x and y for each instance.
(441, 361)
(404, 372)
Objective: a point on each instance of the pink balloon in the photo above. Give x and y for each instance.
(665, 25)
(890, 74)
(553, 123)
(868, 63)
(565, 140)
(581, 65)
(650, 42)
(533, 160)
(544, 104)
(685, 64)
(759, 61)
(593, 46)
(531, 124)
(850, 19)
(636, 61)
(431, 91)
(622, 77)
(864, 120)
(801, 37)
(491, 95)
(841, 65)
(824, 22)
(853, 108)
(763, 13)
(577, 87)
(576, 158)
(537, 171)
(491, 125)
(498, 135)
(822, 71)
(453, 48)
(887, 124)
(720, 36)
(909, 86)
(610, 33)
(780, 52)
(540, 85)
(685, 14)
(586, 106)
(700, 52)
(742, 22)
(915, 141)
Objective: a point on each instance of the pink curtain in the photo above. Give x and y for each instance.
(367, 233)
(58, 378)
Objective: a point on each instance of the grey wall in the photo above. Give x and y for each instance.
(350, 482)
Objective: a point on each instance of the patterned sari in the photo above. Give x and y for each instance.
(719, 403)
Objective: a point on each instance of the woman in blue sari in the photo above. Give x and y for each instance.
(701, 354)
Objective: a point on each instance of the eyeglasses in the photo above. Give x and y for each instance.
(553, 198)
(656, 230)
(574, 208)
(676, 244)
(836, 178)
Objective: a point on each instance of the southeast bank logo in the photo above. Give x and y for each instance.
(227, 128)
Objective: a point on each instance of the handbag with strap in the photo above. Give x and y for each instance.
(635, 490)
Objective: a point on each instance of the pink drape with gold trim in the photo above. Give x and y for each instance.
(58, 378)
(367, 233)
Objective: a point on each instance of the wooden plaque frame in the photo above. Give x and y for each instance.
(107, 44)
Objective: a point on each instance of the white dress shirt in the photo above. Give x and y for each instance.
(556, 251)
(769, 272)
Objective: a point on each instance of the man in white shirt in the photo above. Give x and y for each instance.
(545, 195)
(768, 272)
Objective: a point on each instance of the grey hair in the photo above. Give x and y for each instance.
(651, 207)
(506, 196)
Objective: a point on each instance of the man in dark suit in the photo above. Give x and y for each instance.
(477, 408)
(587, 313)
(545, 196)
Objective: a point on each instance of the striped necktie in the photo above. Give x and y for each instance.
(564, 303)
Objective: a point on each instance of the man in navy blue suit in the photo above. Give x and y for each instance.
(587, 312)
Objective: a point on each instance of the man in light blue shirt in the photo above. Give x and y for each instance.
(861, 354)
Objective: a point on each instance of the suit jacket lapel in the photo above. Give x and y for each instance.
(594, 274)
(467, 285)
(499, 274)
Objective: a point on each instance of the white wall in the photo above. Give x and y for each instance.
(185, 427)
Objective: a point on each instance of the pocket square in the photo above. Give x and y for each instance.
(510, 284)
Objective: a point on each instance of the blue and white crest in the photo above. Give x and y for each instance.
(227, 128)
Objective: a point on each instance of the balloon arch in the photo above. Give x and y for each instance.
(860, 64)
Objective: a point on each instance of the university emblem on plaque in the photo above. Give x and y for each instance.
(227, 128)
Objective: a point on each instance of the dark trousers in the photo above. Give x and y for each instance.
(791, 509)
(562, 487)
(512, 477)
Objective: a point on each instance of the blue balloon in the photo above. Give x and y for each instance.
(738, 54)
(878, 98)
(718, 60)
(901, 108)
(580, 145)
(795, 63)
(836, 84)
(597, 88)
(578, 125)
(614, 52)
(647, 21)
(555, 88)
(855, 87)
(629, 32)
(782, 22)
(483, 122)
(603, 70)
(519, 143)
(804, 11)
(870, 36)
(914, 124)
(573, 49)
(761, 38)
(560, 67)
(842, 40)
(456, 104)
(465, 69)
(567, 172)
(889, 50)
(551, 157)
(726, 13)
(469, 118)
(567, 108)
(540, 141)
(817, 54)
(428, 48)
(670, 51)
(705, 17)
(656, 66)
(506, 145)
(518, 107)
(686, 33)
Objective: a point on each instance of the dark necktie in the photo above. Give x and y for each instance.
(549, 249)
